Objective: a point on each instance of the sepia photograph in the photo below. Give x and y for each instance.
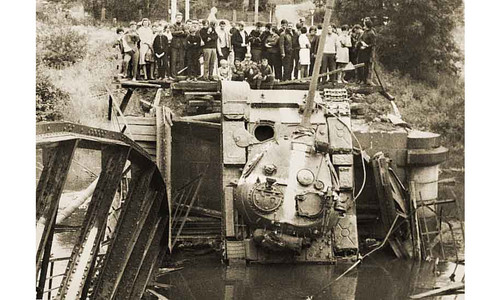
(250, 149)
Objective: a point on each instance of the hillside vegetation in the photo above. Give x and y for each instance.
(75, 62)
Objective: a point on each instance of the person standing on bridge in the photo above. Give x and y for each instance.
(161, 49)
(146, 48)
(286, 50)
(273, 52)
(365, 52)
(209, 37)
(343, 46)
(256, 42)
(223, 42)
(131, 51)
(329, 53)
(239, 40)
(179, 34)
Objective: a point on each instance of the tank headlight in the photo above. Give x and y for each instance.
(305, 177)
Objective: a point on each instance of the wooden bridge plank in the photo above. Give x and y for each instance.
(142, 129)
(132, 120)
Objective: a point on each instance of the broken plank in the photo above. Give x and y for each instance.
(141, 120)
(158, 295)
(142, 129)
(202, 211)
(451, 287)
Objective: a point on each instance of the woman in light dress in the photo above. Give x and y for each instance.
(343, 45)
(146, 47)
(304, 52)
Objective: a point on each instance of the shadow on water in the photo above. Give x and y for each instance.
(378, 277)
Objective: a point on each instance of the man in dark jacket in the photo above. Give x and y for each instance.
(273, 52)
(296, 50)
(161, 48)
(209, 37)
(131, 51)
(179, 34)
(263, 37)
(256, 42)
(239, 40)
(286, 50)
(365, 52)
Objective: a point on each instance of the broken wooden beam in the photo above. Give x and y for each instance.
(202, 211)
(213, 117)
(448, 288)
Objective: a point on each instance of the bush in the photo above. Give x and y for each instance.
(418, 40)
(50, 100)
(61, 46)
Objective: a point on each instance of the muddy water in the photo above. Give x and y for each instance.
(380, 277)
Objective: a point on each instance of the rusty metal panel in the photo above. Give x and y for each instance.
(49, 193)
(152, 259)
(342, 159)
(141, 246)
(229, 211)
(86, 248)
(346, 177)
(346, 234)
(339, 134)
(126, 233)
(233, 154)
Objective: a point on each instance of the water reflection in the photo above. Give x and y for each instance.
(378, 277)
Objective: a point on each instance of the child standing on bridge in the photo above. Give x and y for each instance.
(193, 47)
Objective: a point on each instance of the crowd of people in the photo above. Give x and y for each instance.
(217, 50)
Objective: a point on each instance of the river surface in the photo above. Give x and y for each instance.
(378, 277)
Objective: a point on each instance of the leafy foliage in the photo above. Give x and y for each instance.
(60, 46)
(50, 100)
(418, 37)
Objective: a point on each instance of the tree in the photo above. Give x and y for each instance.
(417, 40)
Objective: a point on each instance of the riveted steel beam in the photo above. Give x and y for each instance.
(49, 192)
(87, 247)
(126, 232)
(141, 247)
(152, 258)
(45, 265)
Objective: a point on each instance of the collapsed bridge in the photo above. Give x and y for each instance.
(109, 259)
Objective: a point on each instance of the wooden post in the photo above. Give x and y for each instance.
(306, 118)
(103, 14)
(234, 15)
(186, 8)
(164, 157)
(256, 11)
(173, 10)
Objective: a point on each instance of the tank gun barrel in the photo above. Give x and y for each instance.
(313, 85)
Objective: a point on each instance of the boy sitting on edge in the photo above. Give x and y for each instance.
(225, 72)
(253, 75)
(238, 71)
(266, 71)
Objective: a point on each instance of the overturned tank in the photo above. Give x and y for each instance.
(288, 190)
(294, 193)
